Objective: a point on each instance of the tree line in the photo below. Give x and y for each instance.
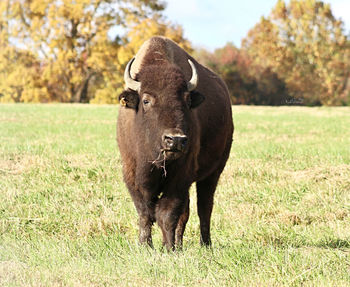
(76, 51)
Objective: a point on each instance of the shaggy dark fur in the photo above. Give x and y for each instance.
(158, 179)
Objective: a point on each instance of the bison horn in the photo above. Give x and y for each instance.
(130, 82)
(192, 84)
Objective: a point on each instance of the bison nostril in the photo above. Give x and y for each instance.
(176, 143)
(183, 141)
(168, 141)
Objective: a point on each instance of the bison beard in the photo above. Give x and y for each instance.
(170, 134)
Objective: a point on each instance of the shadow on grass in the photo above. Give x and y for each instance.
(299, 241)
(334, 243)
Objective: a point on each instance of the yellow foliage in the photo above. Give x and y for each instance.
(16, 81)
(106, 95)
(72, 57)
(147, 28)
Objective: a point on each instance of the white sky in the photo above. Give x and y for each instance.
(213, 23)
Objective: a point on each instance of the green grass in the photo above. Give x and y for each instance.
(281, 214)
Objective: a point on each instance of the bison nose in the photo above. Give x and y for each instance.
(175, 142)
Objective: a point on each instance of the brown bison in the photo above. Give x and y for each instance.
(174, 128)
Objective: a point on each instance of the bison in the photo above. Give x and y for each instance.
(174, 128)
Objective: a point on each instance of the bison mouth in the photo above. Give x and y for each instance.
(172, 154)
(172, 147)
(166, 155)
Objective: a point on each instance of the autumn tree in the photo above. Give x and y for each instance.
(248, 83)
(71, 40)
(233, 67)
(14, 84)
(307, 47)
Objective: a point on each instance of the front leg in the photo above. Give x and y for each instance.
(145, 209)
(144, 194)
(168, 211)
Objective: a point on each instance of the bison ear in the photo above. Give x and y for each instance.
(129, 99)
(196, 99)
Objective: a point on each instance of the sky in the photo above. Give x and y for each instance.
(212, 23)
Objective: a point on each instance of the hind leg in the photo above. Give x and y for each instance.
(181, 225)
(205, 198)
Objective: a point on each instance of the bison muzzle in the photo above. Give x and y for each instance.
(174, 128)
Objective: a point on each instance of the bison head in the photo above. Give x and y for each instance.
(163, 102)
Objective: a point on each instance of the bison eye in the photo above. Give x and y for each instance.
(147, 101)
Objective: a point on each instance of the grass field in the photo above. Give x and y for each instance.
(281, 214)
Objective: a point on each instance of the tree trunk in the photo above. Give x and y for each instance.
(79, 94)
(83, 97)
